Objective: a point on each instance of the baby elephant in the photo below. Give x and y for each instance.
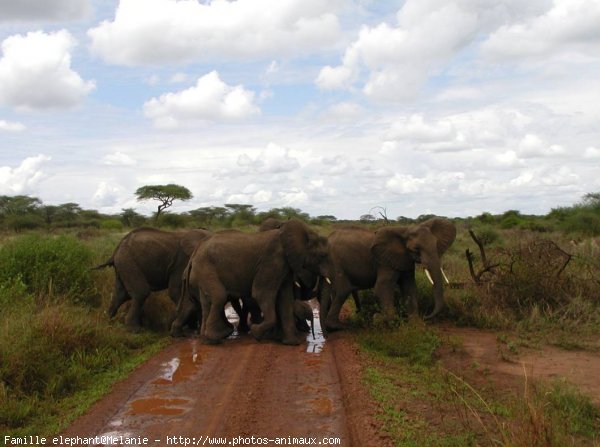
(302, 313)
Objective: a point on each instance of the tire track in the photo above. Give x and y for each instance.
(240, 388)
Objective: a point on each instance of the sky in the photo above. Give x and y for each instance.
(447, 107)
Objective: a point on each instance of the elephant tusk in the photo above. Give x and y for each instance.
(428, 276)
(297, 284)
(327, 280)
(445, 277)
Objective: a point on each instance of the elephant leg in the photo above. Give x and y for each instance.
(254, 310)
(324, 299)
(217, 326)
(356, 300)
(188, 311)
(266, 301)
(137, 287)
(408, 286)
(384, 290)
(119, 296)
(340, 293)
(205, 306)
(285, 309)
(134, 316)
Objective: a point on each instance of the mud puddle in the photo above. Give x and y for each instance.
(315, 345)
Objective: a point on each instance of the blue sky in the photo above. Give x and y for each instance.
(420, 106)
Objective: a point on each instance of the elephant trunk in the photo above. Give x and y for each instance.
(435, 271)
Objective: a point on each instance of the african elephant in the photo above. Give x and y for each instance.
(362, 259)
(148, 260)
(261, 265)
(303, 312)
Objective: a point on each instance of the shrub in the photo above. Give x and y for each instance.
(23, 222)
(171, 220)
(51, 354)
(48, 266)
(412, 341)
(111, 224)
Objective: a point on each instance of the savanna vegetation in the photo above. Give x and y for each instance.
(533, 278)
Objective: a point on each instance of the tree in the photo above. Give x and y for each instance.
(18, 205)
(130, 218)
(241, 214)
(165, 194)
(367, 218)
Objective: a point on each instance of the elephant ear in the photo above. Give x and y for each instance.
(190, 240)
(294, 238)
(270, 224)
(443, 230)
(389, 248)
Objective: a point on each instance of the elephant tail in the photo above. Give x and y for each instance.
(109, 263)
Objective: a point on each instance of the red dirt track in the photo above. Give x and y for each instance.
(239, 388)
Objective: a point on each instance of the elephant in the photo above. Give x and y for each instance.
(303, 312)
(362, 259)
(264, 266)
(148, 260)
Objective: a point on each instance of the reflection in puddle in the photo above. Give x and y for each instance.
(234, 319)
(181, 367)
(158, 406)
(315, 345)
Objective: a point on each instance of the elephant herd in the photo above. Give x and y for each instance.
(267, 276)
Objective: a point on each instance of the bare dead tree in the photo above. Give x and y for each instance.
(382, 212)
(487, 267)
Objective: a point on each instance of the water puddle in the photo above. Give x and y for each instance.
(183, 366)
(234, 319)
(315, 344)
(322, 405)
(159, 406)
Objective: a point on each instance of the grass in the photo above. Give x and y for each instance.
(421, 402)
(58, 351)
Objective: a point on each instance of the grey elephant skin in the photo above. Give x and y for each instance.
(148, 260)
(261, 265)
(383, 259)
(303, 312)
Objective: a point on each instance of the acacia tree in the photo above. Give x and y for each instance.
(165, 194)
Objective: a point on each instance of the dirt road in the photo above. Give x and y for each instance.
(239, 389)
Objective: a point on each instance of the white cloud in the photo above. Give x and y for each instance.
(592, 152)
(273, 160)
(167, 31)
(178, 78)
(343, 111)
(9, 126)
(209, 100)
(35, 10)
(294, 197)
(107, 195)
(35, 72)
(119, 159)
(335, 77)
(428, 34)
(416, 129)
(24, 178)
(570, 25)
(532, 146)
(405, 184)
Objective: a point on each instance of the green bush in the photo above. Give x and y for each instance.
(23, 222)
(171, 220)
(111, 224)
(50, 354)
(48, 266)
(411, 341)
(586, 222)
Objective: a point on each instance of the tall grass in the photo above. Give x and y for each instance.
(48, 266)
(57, 353)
